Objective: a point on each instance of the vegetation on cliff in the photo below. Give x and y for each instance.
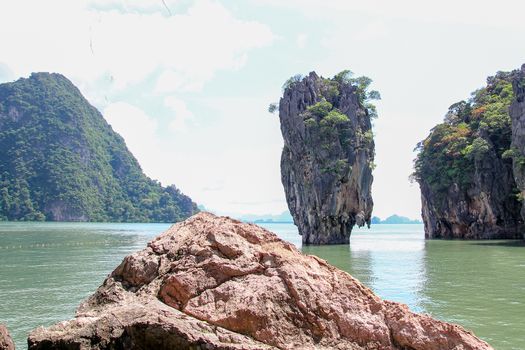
(60, 160)
(464, 168)
(470, 130)
(332, 129)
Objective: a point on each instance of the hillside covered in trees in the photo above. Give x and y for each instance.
(61, 161)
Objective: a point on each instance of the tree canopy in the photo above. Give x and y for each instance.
(472, 128)
(60, 160)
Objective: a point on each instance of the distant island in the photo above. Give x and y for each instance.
(286, 218)
(395, 219)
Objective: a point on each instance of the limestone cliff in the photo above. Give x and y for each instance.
(216, 283)
(327, 159)
(517, 114)
(464, 169)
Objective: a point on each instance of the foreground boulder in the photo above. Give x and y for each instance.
(328, 155)
(216, 283)
(6, 343)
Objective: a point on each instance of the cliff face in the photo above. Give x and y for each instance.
(517, 113)
(216, 283)
(327, 159)
(464, 169)
(61, 161)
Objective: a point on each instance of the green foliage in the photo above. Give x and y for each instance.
(362, 85)
(344, 77)
(273, 107)
(510, 153)
(339, 167)
(471, 131)
(477, 150)
(310, 123)
(334, 118)
(329, 131)
(60, 160)
(292, 81)
(368, 137)
(320, 109)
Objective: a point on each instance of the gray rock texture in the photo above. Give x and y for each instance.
(326, 165)
(465, 172)
(517, 114)
(483, 211)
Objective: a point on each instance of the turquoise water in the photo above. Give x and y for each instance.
(47, 269)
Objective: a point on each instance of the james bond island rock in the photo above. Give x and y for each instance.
(61, 161)
(328, 154)
(216, 283)
(464, 169)
(6, 343)
(517, 113)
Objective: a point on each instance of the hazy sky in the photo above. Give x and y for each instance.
(187, 83)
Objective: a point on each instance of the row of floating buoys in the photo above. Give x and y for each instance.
(52, 245)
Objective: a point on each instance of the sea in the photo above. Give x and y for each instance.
(47, 269)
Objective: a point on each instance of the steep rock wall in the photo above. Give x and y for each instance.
(464, 169)
(517, 114)
(327, 159)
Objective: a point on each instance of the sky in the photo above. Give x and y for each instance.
(187, 83)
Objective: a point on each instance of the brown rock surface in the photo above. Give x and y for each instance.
(6, 343)
(215, 283)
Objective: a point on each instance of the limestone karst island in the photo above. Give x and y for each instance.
(209, 174)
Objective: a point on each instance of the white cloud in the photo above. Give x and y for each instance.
(170, 81)
(503, 13)
(144, 6)
(182, 115)
(88, 43)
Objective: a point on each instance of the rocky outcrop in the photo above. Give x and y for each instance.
(517, 114)
(484, 210)
(216, 283)
(327, 159)
(464, 169)
(6, 343)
